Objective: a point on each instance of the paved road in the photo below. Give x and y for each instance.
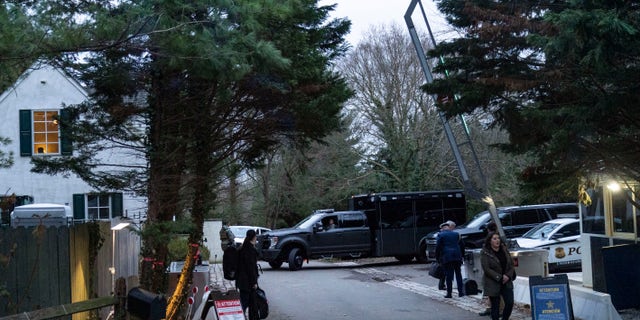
(349, 290)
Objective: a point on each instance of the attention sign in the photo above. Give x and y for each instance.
(550, 298)
(229, 310)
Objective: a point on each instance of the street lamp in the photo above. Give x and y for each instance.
(115, 228)
(613, 186)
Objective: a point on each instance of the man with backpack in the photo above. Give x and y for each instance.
(226, 236)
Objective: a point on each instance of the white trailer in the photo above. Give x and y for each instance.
(47, 214)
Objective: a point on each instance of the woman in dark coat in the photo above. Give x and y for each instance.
(499, 273)
(247, 278)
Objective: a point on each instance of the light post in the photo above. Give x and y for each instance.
(115, 228)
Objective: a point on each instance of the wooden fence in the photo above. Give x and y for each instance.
(44, 267)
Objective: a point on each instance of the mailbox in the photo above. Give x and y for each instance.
(146, 305)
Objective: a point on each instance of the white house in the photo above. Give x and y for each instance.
(30, 108)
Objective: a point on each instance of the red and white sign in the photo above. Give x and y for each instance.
(229, 310)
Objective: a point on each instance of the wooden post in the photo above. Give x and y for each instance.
(120, 293)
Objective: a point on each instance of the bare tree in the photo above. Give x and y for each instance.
(396, 120)
(400, 129)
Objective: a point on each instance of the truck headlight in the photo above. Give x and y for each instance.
(272, 242)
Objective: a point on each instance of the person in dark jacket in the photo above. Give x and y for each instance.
(449, 252)
(499, 273)
(226, 236)
(441, 285)
(247, 278)
(491, 227)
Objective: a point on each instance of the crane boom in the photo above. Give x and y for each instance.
(472, 191)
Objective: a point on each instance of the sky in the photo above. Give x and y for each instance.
(366, 13)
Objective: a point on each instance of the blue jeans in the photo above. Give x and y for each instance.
(451, 268)
(507, 296)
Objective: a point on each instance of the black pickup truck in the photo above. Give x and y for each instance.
(313, 238)
(377, 225)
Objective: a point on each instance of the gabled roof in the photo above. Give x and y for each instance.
(40, 65)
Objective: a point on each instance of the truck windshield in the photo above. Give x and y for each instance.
(481, 219)
(477, 221)
(306, 222)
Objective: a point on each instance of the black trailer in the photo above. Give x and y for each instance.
(400, 221)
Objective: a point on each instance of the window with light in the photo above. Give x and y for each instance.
(46, 133)
(41, 133)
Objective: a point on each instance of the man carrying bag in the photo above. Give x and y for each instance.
(436, 269)
(450, 252)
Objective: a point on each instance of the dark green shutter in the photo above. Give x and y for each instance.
(78, 207)
(26, 144)
(66, 145)
(116, 205)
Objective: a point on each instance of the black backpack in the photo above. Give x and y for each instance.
(230, 263)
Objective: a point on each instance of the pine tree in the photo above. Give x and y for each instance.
(185, 86)
(557, 75)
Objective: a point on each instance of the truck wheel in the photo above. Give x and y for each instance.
(295, 259)
(422, 254)
(275, 264)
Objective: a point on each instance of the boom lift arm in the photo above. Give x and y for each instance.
(453, 143)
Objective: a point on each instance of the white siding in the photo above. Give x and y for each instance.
(43, 88)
